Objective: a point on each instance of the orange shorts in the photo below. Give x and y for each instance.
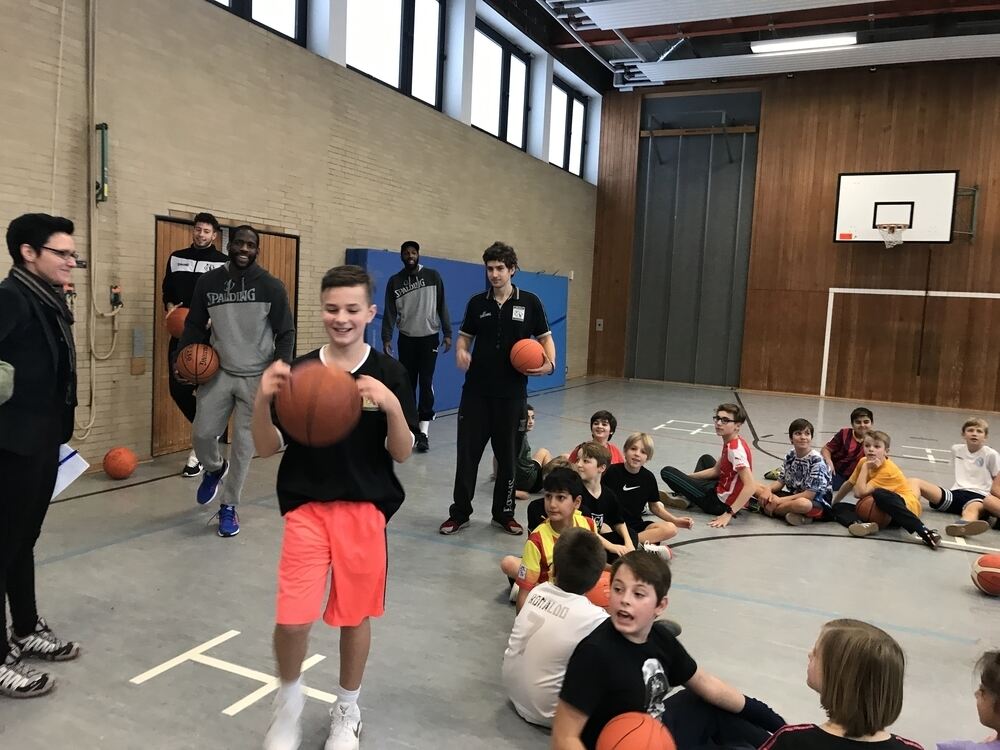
(340, 541)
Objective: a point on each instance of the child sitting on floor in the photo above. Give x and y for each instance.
(846, 448)
(974, 496)
(987, 705)
(857, 669)
(602, 428)
(877, 475)
(556, 616)
(563, 495)
(802, 495)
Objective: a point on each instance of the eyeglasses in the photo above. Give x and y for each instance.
(722, 420)
(64, 254)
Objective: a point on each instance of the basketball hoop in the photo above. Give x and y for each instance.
(892, 234)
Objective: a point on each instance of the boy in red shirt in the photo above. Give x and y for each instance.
(722, 488)
(847, 447)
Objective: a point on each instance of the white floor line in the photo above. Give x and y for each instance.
(186, 656)
(267, 689)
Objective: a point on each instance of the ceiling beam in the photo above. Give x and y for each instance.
(750, 24)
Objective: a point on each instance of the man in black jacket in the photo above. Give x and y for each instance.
(36, 341)
(251, 327)
(184, 268)
(414, 300)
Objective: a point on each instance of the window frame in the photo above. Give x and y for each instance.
(508, 49)
(572, 95)
(244, 10)
(407, 23)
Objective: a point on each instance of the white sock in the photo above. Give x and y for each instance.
(192, 458)
(290, 689)
(346, 697)
(425, 426)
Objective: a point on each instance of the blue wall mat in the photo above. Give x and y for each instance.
(461, 281)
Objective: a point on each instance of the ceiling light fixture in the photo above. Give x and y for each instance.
(804, 43)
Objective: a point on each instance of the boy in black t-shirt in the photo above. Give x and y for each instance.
(636, 488)
(336, 501)
(627, 665)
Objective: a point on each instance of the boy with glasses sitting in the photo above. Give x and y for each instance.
(724, 488)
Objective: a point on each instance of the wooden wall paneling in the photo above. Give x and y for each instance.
(815, 126)
(614, 232)
(959, 363)
(875, 347)
(171, 430)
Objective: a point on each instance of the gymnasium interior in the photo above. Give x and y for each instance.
(785, 204)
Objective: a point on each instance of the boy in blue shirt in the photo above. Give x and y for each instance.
(802, 495)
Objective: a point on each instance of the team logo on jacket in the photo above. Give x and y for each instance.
(230, 294)
(518, 313)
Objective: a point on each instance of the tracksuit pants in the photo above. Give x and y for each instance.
(220, 397)
(888, 502)
(181, 393)
(482, 420)
(418, 354)
(25, 494)
(700, 492)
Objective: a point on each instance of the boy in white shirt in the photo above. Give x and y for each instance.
(556, 616)
(975, 495)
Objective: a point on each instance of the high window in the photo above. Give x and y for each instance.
(409, 60)
(499, 86)
(286, 17)
(567, 124)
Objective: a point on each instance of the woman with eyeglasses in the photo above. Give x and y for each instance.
(36, 342)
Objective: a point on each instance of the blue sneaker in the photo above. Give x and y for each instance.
(210, 482)
(229, 520)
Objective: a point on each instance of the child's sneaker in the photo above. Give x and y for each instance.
(18, 680)
(193, 467)
(209, 486)
(43, 644)
(966, 528)
(451, 526)
(930, 537)
(797, 519)
(775, 474)
(345, 727)
(658, 549)
(229, 521)
(863, 528)
(285, 731)
(754, 506)
(674, 501)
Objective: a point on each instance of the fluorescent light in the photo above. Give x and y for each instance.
(804, 43)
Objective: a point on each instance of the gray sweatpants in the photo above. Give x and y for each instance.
(220, 397)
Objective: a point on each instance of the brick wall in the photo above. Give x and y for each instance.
(207, 111)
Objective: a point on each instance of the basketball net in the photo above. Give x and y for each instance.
(892, 234)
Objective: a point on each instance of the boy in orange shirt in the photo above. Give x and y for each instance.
(877, 475)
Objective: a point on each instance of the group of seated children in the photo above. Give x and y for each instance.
(855, 464)
(573, 666)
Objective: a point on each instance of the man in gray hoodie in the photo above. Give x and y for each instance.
(414, 300)
(243, 311)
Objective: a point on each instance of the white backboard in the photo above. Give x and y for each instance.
(923, 201)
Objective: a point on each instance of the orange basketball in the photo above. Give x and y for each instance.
(197, 363)
(319, 405)
(986, 574)
(635, 731)
(600, 595)
(175, 321)
(527, 354)
(119, 463)
(868, 511)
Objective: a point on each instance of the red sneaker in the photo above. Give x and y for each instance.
(509, 525)
(451, 526)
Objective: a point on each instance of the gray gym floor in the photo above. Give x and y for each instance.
(133, 572)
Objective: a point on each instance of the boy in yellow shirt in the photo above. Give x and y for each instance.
(563, 495)
(877, 475)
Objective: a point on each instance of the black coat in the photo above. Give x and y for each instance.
(41, 409)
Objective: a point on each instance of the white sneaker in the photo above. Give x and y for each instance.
(285, 731)
(345, 727)
(660, 549)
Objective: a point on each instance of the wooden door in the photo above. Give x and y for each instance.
(278, 255)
